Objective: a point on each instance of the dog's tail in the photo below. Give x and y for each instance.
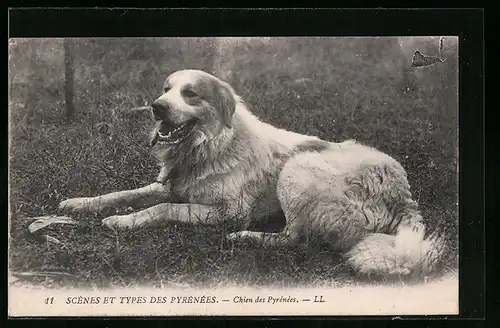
(407, 253)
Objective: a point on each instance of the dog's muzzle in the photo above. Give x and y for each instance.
(160, 109)
(169, 132)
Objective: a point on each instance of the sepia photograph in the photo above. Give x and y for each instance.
(233, 176)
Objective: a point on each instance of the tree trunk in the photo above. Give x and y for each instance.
(36, 84)
(69, 71)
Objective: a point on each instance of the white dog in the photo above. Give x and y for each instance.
(219, 161)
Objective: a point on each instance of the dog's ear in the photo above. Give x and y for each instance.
(226, 102)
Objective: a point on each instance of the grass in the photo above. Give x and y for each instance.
(343, 97)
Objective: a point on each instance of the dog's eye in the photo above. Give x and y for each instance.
(189, 93)
(166, 89)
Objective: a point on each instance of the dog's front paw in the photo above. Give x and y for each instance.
(78, 205)
(123, 222)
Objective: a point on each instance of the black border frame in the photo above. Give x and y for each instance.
(467, 24)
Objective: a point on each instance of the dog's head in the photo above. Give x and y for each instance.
(195, 106)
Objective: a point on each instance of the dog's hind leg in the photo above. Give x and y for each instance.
(266, 229)
(312, 193)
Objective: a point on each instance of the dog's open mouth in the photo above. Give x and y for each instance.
(171, 134)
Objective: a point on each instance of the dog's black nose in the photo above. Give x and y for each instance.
(160, 108)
